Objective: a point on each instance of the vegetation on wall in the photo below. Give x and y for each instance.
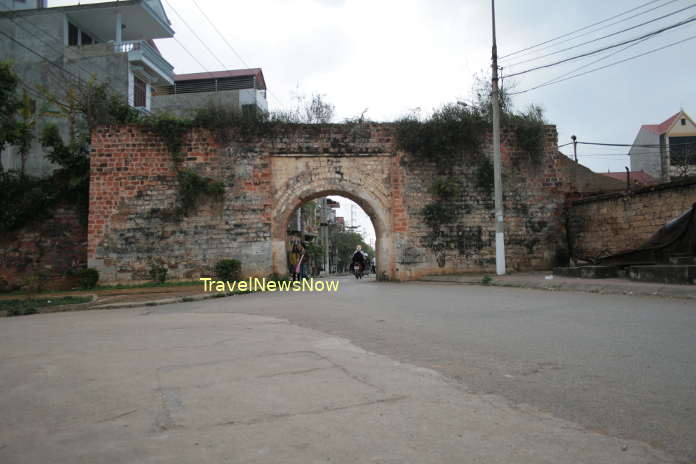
(454, 136)
(24, 198)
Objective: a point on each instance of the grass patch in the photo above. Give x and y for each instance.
(31, 305)
(149, 285)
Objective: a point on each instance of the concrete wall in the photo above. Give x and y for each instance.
(612, 223)
(646, 159)
(56, 73)
(134, 193)
(184, 104)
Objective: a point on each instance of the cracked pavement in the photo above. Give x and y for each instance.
(182, 384)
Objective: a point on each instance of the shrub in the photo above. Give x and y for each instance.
(450, 132)
(529, 129)
(192, 185)
(88, 278)
(228, 269)
(158, 273)
(172, 130)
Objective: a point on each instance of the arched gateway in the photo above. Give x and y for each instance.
(364, 179)
(136, 189)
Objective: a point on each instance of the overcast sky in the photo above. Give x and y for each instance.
(392, 56)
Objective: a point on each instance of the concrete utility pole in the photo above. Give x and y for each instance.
(575, 155)
(325, 232)
(497, 178)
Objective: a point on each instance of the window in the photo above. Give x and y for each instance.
(683, 122)
(86, 39)
(682, 150)
(73, 34)
(139, 92)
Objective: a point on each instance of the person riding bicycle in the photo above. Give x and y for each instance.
(358, 258)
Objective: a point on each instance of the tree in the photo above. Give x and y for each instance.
(10, 104)
(345, 243)
(318, 111)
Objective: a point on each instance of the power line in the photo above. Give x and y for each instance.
(594, 52)
(576, 30)
(224, 39)
(603, 37)
(571, 39)
(606, 66)
(220, 34)
(580, 68)
(192, 56)
(60, 50)
(196, 35)
(631, 145)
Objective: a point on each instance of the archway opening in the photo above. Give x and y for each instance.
(322, 233)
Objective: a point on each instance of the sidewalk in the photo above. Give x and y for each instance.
(547, 281)
(119, 298)
(183, 387)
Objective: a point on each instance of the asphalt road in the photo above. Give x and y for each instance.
(623, 366)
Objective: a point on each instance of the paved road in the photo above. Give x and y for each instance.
(624, 366)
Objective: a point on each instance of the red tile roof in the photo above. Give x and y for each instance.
(222, 74)
(637, 177)
(663, 126)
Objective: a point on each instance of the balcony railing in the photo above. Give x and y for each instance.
(139, 49)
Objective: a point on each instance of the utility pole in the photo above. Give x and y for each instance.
(575, 155)
(325, 232)
(497, 177)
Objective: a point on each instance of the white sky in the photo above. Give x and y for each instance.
(391, 56)
(359, 217)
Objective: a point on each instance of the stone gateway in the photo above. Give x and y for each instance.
(134, 221)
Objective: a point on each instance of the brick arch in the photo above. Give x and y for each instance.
(343, 180)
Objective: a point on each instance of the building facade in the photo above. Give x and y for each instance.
(55, 51)
(240, 89)
(666, 151)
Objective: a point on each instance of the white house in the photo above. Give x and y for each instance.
(666, 150)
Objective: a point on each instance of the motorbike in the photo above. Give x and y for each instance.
(357, 271)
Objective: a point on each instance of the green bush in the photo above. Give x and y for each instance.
(448, 134)
(192, 185)
(172, 130)
(23, 199)
(228, 269)
(88, 278)
(158, 273)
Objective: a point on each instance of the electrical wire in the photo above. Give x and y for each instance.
(603, 37)
(594, 52)
(630, 145)
(224, 39)
(60, 50)
(605, 66)
(196, 35)
(577, 30)
(571, 39)
(580, 68)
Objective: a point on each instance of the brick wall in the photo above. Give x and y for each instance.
(617, 222)
(42, 253)
(134, 190)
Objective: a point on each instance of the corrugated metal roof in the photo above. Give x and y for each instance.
(256, 72)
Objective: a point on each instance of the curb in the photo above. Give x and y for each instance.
(165, 301)
(598, 288)
(63, 308)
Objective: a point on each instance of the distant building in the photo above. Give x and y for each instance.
(56, 50)
(637, 178)
(666, 150)
(241, 89)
